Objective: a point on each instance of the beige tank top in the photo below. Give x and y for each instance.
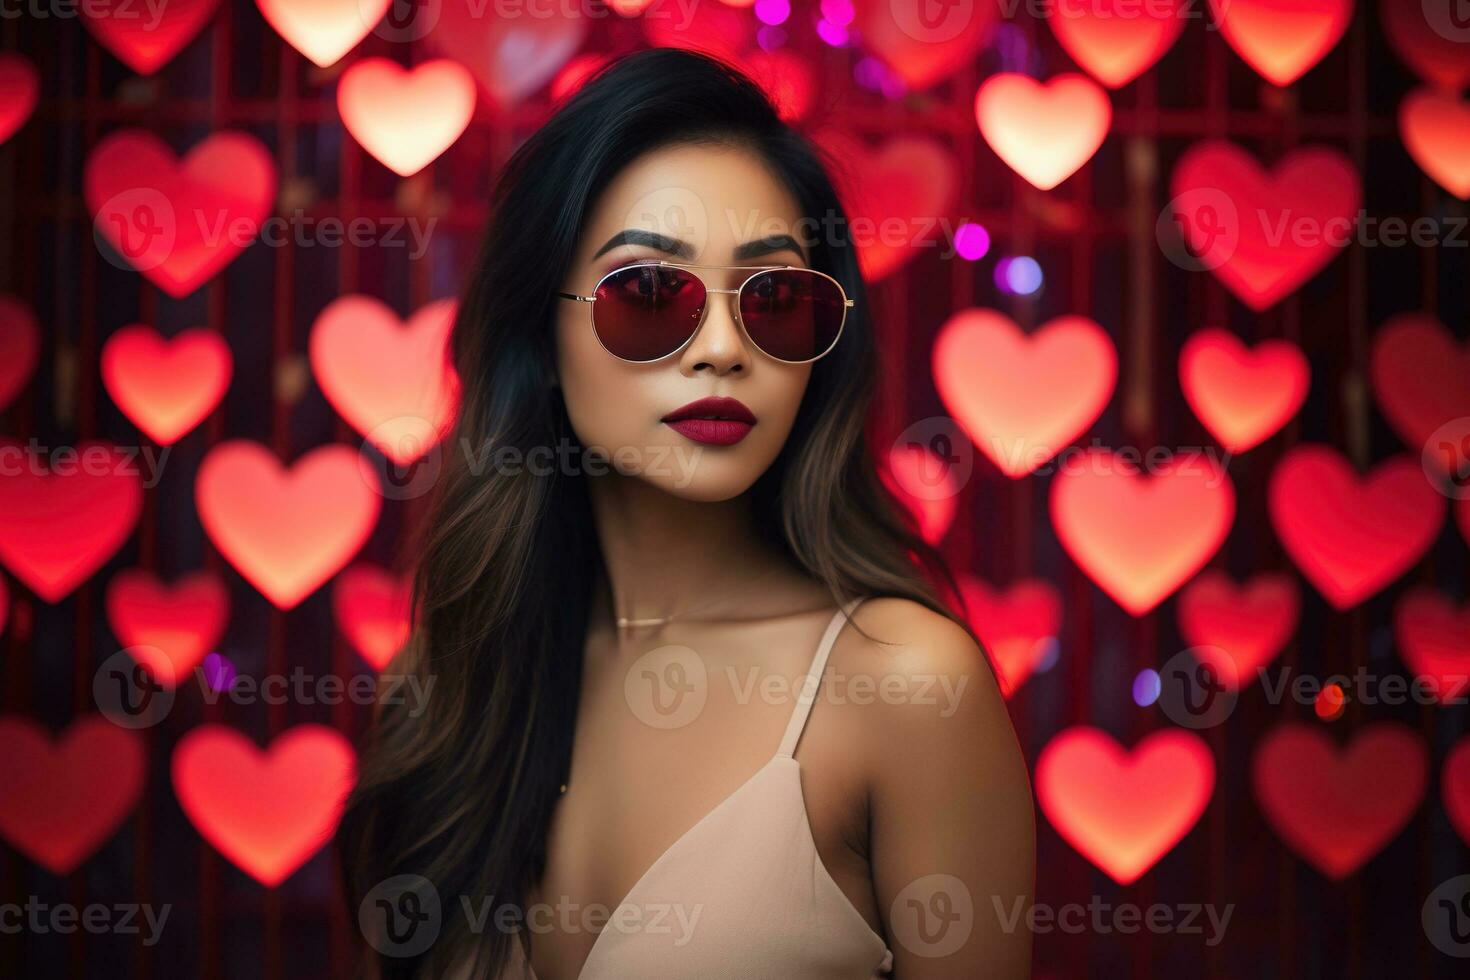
(745, 893)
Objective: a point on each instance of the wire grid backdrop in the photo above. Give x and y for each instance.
(1095, 238)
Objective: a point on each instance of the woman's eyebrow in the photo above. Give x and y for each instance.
(767, 245)
(651, 239)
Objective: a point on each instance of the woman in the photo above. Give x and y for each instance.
(624, 771)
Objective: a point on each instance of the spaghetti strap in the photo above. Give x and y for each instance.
(807, 693)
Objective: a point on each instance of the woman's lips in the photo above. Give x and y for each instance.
(712, 432)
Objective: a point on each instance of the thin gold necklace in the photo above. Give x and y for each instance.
(626, 623)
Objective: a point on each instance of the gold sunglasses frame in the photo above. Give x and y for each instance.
(755, 270)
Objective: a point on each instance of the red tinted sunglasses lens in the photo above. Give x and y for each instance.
(646, 312)
(792, 314)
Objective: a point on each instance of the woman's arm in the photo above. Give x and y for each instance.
(953, 832)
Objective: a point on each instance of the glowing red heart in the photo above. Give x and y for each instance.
(1141, 536)
(926, 484)
(1433, 638)
(166, 385)
(1043, 131)
(323, 30)
(512, 56)
(1352, 536)
(61, 800)
(1265, 234)
(1238, 629)
(371, 606)
(145, 38)
(169, 629)
(179, 223)
(266, 812)
(58, 525)
(921, 48)
(1018, 625)
(908, 183)
(1435, 128)
(1117, 40)
(1243, 396)
(391, 380)
(574, 73)
(1434, 49)
(1282, 39)
(1455, 788)
(406, 118)
(1022, 398)
(20, 87)
(787, 79)
(1124, 810)
(1334, 807)
(712, 28)
(286, 530)
(20, 347)
(1421, 378)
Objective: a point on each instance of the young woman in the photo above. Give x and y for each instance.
(658, 526)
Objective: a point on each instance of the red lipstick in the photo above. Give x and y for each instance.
(713, 421)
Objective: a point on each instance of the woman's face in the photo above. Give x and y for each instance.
(703, 205)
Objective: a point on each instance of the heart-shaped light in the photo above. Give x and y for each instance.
(61, 800)
(511, 56)
(1421, 379)
(20, 87)
(1238, 629)
(1435, 128)
(1428, 37)
(1123, 810)
(58, 527)
(907, 182)
(923, 45)
(1352, 535)
(1265, 234)
(1433, 637)
(1141, 536)
(178, 223)
(166, 385)
(1242, 395)
(1454, 785)
(146, 38)
(1018, 625)
(406, 118)
(1337, 808)
(371, 606)
(168, 628)
(325, 30)
(1043, 131)
(266, 812)
(1117, 40)
(20, 347)
(286, 530)
(927, 486)
(392, 381)
(1023, 398)
(1282, 39)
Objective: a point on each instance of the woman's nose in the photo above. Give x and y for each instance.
(718, 345)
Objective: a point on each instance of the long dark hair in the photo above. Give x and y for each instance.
(460, 793)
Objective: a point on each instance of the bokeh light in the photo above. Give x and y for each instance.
(773, 12)
(1020, 275)
(971, 241)
(1146, 687)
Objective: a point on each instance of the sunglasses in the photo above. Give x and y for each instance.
(648, 311)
